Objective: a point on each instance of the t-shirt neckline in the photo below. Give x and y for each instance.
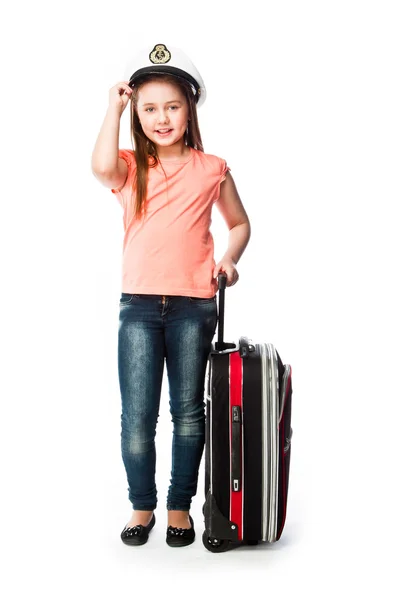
(178, 162)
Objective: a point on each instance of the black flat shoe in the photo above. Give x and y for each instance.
(177, 536)
(137, 535)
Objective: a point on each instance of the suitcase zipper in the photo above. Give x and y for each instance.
(274, 407)
(270, 441)
(264, 442)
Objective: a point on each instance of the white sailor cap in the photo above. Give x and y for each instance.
(163, 59)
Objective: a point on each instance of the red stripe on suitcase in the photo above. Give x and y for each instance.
(236, 399)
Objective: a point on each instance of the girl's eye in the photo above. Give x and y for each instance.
(151, 108)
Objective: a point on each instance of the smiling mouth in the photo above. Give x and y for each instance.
(163, 130)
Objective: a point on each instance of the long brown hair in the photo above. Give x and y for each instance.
(145, 150)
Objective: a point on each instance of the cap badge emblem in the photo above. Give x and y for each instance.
(160, 54)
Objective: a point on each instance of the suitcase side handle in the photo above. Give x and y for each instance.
(236, 453)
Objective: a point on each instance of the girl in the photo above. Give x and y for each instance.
(167, 311)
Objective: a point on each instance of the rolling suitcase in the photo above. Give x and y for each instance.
(248, 441)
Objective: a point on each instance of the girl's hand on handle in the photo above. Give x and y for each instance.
(119, 95)
(227, 265)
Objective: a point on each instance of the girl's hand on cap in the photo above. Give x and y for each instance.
(119, 95)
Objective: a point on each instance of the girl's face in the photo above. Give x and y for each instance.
(163, 112)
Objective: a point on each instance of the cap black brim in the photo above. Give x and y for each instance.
(170, 71)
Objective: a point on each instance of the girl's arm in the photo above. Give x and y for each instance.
(231, 208)
(107, 167)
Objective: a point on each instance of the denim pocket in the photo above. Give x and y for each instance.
(126, 298)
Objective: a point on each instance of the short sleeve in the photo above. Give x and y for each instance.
(220, 176)
(129, 158)
(224, 170)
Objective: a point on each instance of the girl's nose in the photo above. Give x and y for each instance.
(163, 117)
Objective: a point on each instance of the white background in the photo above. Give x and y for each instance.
(303, 103)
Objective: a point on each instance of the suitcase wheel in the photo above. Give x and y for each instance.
(215, 545)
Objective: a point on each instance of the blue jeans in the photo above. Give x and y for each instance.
(180, 330)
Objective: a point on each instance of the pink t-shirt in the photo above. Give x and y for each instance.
(171, 251)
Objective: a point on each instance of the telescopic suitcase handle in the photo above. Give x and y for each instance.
(245, 345)
(220, 344)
